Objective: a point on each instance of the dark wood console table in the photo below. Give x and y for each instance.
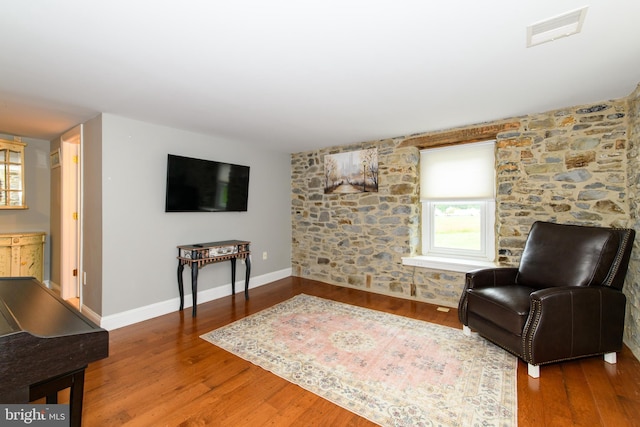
(201, 254)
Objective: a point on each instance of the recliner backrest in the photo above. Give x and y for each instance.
(572, 255)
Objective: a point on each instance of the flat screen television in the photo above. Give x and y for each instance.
(196, 185)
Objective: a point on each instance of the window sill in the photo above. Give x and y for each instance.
(447, 264)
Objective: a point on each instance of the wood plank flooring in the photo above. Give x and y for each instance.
(160, 373)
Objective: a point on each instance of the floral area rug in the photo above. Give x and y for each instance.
(392, 370)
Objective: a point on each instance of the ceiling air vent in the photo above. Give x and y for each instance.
(557, 27)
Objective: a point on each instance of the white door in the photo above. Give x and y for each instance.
(71, 147)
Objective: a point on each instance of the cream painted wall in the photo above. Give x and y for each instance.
(139, 239)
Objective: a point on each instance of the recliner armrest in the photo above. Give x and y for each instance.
(567, 322)
(490, 277)
(484, 278)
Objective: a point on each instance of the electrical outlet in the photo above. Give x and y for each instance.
(264, 255)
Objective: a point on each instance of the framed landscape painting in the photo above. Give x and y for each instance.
(352, 172)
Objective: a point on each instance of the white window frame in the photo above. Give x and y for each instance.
(486, 253)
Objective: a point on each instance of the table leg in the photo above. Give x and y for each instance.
(50, 388)
(247, 263)
(194, 287)
(75, 399)
(233, 276)
(180, 285)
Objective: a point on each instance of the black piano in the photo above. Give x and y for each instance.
(45, 345)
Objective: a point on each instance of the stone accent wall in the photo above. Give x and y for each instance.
(574, 165)
(632, 284)
(566, 166)
(357, 240)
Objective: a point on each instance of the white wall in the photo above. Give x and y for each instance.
(139, 239)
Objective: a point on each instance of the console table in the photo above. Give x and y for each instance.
(201, 254)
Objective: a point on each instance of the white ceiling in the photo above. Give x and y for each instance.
(297, 75)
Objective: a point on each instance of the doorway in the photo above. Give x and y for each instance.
(71, 215)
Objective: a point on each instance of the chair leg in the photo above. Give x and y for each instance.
(533, 370)
(466, 330)
(610, 358)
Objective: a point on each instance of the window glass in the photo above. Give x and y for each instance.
(457, 225)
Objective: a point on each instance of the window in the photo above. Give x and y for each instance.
(12, 175)
(457, 191)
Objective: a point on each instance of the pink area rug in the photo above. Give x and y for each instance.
(392, 370)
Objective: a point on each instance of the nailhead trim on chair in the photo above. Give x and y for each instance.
(531, 326)
(527, 353)
(618, 259)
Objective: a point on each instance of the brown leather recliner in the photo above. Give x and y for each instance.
(564, 301)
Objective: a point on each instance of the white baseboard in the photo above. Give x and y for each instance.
(129, 317)
(92, 315)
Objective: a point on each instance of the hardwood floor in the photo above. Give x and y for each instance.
(160, 372)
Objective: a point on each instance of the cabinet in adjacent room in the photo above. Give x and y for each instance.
(22, 255)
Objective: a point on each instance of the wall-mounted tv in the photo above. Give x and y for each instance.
(196, 185)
